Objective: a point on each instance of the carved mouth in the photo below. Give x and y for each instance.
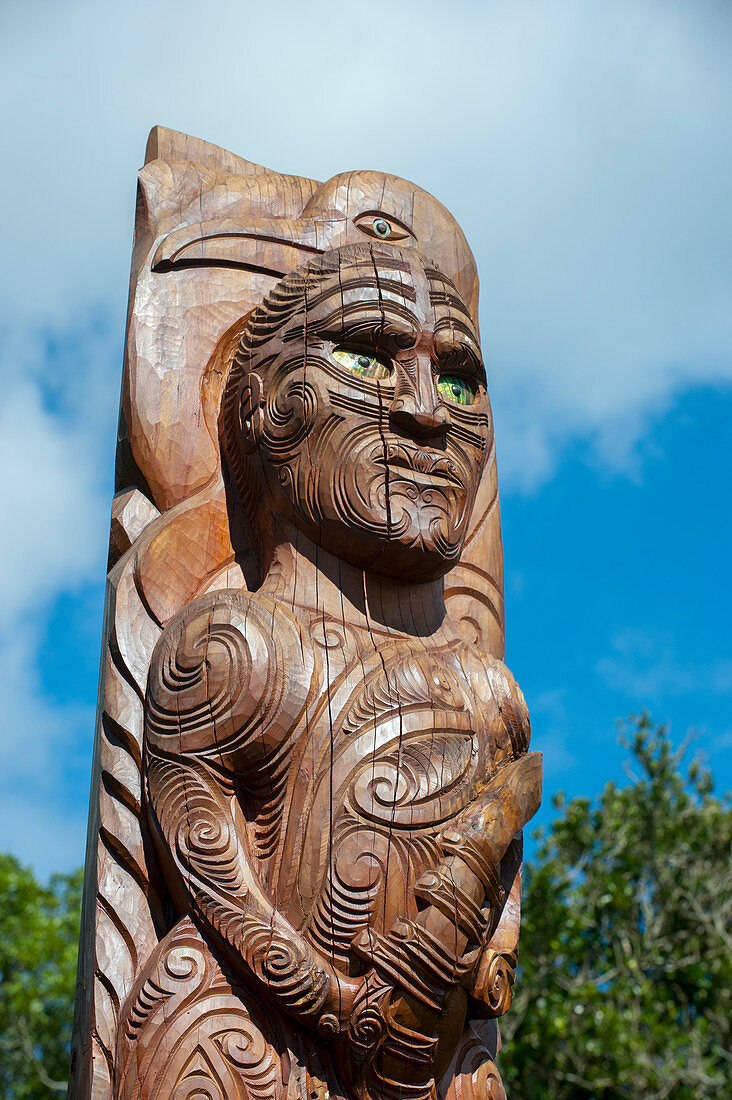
(427, 465)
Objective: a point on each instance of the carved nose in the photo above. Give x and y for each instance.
(416, 407)
(419, 420)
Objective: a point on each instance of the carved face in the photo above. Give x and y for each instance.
(363, 409)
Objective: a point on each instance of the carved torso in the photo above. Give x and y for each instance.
(304, 779)
(346, 753)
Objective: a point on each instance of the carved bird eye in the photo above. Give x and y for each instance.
(461, 391)
(381, 226)
(359, 362)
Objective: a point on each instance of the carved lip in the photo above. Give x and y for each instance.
(427, 465)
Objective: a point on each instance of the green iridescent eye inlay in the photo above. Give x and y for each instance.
(381, 228)
(358, 362)
(459, 390)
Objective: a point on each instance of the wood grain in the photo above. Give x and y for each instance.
(312, 768)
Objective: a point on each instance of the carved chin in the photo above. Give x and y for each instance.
(382, 512)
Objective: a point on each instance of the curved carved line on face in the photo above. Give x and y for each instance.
(381, 467)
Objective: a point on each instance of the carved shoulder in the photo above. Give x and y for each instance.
(229, 680)
(507, 716)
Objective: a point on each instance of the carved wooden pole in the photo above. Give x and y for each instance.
(311, 767)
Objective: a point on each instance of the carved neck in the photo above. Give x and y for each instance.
(303, 575)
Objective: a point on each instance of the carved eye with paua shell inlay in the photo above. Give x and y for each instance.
(458, 389)
(360, 362)
(383, 227)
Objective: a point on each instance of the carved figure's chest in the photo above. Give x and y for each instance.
(398, 744)
(348, 760)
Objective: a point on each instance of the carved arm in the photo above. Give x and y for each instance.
(432, 960)
(219, 720)
(199, 822)
(439, 948)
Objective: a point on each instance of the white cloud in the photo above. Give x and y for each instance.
(53, 516)
(645, 666)
(584, 148)
(56, 453)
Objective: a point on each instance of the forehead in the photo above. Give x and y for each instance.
(396, 285)
(353, 193)
(369, 279)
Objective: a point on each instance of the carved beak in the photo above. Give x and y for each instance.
(271, 246)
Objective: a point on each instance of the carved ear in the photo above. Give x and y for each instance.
(251, 400)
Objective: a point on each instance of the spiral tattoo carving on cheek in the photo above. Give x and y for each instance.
(290, 410)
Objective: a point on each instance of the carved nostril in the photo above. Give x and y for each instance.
(406, 414)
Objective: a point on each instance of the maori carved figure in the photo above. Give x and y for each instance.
(312, 767)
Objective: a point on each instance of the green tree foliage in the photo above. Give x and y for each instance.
(39, 931)
(625, 987)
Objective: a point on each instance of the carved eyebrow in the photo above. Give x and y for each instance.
(363, 282)
(348, 317)
(382, 257)
(354, 322)
(450, 301)
(457, 325)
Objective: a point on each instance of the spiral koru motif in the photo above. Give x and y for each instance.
(289, 413)
(496, 977)
(244, 1046)
(215, 682)
(427, 775)
(299, 983)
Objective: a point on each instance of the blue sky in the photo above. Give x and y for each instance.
(583, 146)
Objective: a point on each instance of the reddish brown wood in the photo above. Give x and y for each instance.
(312, 767)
